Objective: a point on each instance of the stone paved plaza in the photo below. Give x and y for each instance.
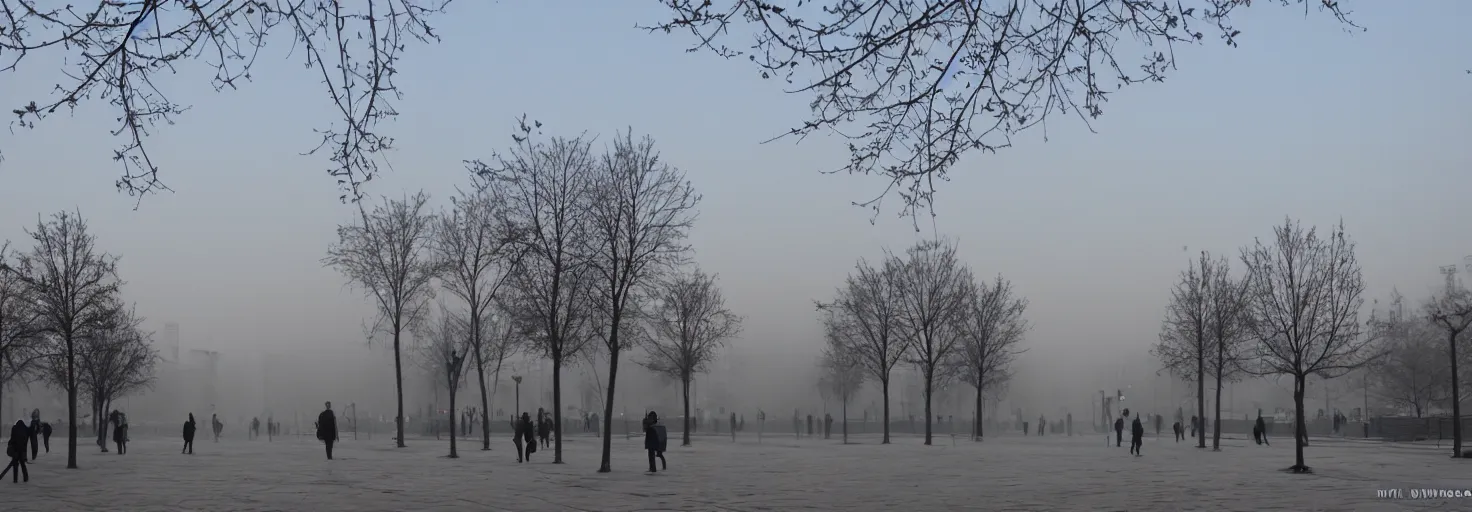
(1003, 473)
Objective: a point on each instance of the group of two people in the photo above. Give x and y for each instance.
(1137, 433)
(22, 436)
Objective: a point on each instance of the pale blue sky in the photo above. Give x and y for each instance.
(1303, 119)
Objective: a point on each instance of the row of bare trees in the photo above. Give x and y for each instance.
(925, 309)
(1294, 312)
(1424, 355)
(63, 322)
(554, 251)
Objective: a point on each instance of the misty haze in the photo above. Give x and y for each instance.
(736, 255)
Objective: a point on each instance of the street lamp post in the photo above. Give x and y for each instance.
(517, 413)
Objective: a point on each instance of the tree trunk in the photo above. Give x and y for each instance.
(1216, 419)
(399, 386)
(451, 413)
(977, 419)
(845, 420)
(604, 464)
(685, 387)
(480, 371)
(929, 383)
(1456, 398)
(1300, 426)
(1200, 391)
(71, 404)
(884, 387)
(557, 411)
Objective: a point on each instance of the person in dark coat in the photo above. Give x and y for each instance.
(120, 431)
(46, 435)
(327, 428)
(1118, 431)
(1260, 431)
(189, 428)
(652, 441)
(827, 426)
(526, 431)
(1180, 431)
(15, 450)
(1137, 436)
(35, 430)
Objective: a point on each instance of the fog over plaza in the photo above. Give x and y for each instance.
(1092, 229)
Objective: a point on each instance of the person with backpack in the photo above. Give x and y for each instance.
(655, 440)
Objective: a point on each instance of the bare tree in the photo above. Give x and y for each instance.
(915, 84)
(20, 323)
(992, 327)
(387, 253)
(476, 246)
(114, 359)
(934, 289)
(1184, 335)
(688, 325)
(546, 186)
(865, 314)
(115, 51)
(641, 210)
(843, 372)
(443, 343)
(1451, 311)
(1412, 373)
(1304, 296)
(1226, 310)
(73, 285)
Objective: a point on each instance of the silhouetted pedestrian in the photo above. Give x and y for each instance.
(15, 450)
(189, 428)
(827, 425)
(35, 430)
(1180, 431)
(654, 442)
(216, 426)
(1118, 431)
(120, 431)
(46, 435)
(1137, 436)
(526, 430)
(327, 428)
(1260, 430)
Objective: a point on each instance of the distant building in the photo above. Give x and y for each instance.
(170, 349)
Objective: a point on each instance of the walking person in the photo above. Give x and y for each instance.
(655, 440)
(189, 435)
(15, 450)
(1118, 431)
(216, 426)
(1137, 436)
(1260, 430)
(526, 430)
(46, 435)
(35, 430)
(327, 428)
(1180, 431)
